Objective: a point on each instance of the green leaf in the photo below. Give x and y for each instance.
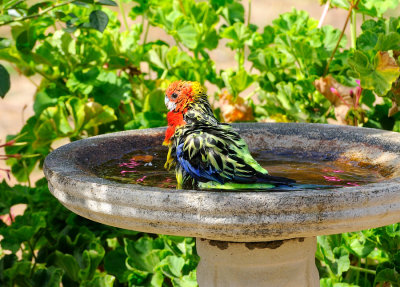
(186, 281)
(268, 35)
(376, 8)
(157, 57)
(22, 230)
(19, 271)
(186, 33)
(103, 280)
(388, 42)
(96, 114)
(393, 230)
(44, 100)
(107, 2)
(52, 123)
(367, 40)
(145, 254)
(90, 260)
(26, 40)
(5, 43)
(360, 245)
(48, 277)
(114, 264)
(388, 275)
(4, 81)
(330, 38)
(334, 254)
(172, 266)
(378, 76)
(342, 261)
(67, 263)
(341, 4)
(367, 98)
(378, 27)
(98, 20)
(6, 262)
(237, 82)
(233, 12)
(76, 108)
(239, 33)
(157, 279)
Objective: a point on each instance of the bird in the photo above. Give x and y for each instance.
(206, 153)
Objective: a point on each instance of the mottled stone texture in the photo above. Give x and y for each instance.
(235, 216)
(285, 263)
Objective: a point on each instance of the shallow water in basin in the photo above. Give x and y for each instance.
(146, 167)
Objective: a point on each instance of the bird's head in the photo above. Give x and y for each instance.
(180, 94)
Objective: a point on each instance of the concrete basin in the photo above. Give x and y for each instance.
(243, 238)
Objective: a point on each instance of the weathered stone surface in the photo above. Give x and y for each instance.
(235, 216)
(284, 263)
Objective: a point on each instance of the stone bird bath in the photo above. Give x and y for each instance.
(243, 238)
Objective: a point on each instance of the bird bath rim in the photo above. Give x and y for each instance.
(233, 216)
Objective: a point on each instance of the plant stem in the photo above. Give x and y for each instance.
(18, 19)
(27, 173)
(249, 13)
(121, 9)
(324, 13)
(15, 4)
(302, 68)
(340, 37)
(182, 7)
(358, 271)
(353, 26)
(365, 270)
(146, 32)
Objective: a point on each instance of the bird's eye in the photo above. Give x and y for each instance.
(174, 95)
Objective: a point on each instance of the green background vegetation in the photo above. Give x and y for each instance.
(98, 78)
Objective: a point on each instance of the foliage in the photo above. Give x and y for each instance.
(99, 76)
(49, 245)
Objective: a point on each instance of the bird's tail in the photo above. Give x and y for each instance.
(275, 180)
(288, 184)
(232, 186)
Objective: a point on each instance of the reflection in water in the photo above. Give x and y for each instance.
(146, 167)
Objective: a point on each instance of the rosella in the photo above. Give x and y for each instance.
(208, 154)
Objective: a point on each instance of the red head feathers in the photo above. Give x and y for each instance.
(178, 96)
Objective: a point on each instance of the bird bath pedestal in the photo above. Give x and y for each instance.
(243, 238)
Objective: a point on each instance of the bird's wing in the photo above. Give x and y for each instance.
(217, 154)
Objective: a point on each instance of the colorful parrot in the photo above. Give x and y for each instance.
(208, 154)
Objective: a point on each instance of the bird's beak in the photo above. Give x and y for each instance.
(170, 105)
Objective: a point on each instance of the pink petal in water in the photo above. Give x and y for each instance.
(337, 170)
(125, 171)
(352, 184)
(141, 179)
(130, 164)
(332, 178)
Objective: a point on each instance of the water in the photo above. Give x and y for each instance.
(146, 167)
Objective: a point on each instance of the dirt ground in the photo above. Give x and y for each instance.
(17, 106)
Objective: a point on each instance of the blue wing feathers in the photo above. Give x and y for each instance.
(199, 173)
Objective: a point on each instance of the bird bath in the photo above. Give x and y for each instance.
(243, 238)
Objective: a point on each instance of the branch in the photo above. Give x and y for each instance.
(19, 19)
(326, 8)
(341, 36)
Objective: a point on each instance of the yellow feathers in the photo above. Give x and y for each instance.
(198, 89)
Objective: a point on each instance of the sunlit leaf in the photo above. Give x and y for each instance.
(377, 76)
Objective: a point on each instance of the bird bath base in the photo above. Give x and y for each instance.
(281, 263)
